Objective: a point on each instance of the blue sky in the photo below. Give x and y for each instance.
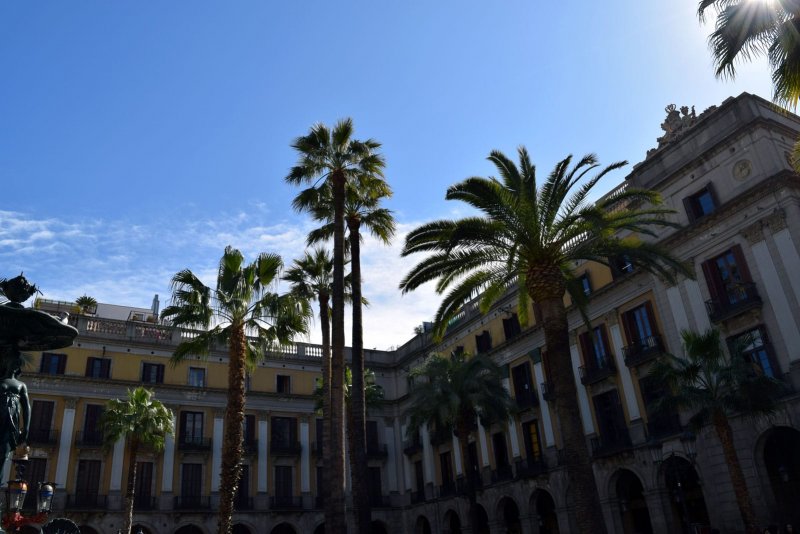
(137, 139)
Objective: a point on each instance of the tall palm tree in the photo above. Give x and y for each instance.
(528, 237)
(745, 28)
(142, 421)
(361, 210)
(244, 314)
(715, 388)
(334, 156)
(453, 393)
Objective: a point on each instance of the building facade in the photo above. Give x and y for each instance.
(727, 174)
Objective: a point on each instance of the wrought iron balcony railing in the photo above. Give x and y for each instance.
(285, 502)
(144, 502)
(377, 451)
(548, 390)
(91, 501)
(91, 439)
(194, 443)
(643, 350)
(597, 371)
(738, 298)
(285, 448)
(43, 436)
(193, 502)
(532, 467)
(609, 445)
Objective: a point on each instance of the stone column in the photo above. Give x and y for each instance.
(262, 501)
(64, 453)
(512, 427)
(696, 304)
(547, 422)
(486, 467)
(216, 454)
(677, 308)
(407, 478)
(457, 457)
(583, 397)
(655, 505)
(305, 463)
(115, 485)
(392, 459)
(168, 466)
(427, 461)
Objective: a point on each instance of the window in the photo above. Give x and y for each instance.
(283, 481)
(501, 463)
(41, 421)
(143, 491)
(729, 282)
(91, 425)
(191, 483)
(596, 353)
(197, 377)
(533, 445)
(446, 465)
(701, 203)
(242, 499)
(523, 385)
(284, 384)
(191, 427)
(610, 421)
(249, 428)
(419, 478)
(153, 373)
(483, 342)
(284, 433)
(620, 266)
(373, 443)
(511, 326)
(87, 482)
(756, 350)
(375, 486)
(585, 284)
(98, 367)
(35, 473)
(639, 325)
(663, 422)
(53, 364)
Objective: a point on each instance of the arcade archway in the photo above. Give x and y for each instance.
(632, 505)
(545, 507)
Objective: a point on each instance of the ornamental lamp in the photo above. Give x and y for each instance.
(44, 497)
(15, 495)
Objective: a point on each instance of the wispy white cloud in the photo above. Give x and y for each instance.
(127, 262)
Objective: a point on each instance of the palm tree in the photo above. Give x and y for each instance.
(244, 314)
(362, 210)
(453, 393)
(715, 388)
(334, 156)
(86, 304)
(745, 28)
(142, 421)
(528, 238)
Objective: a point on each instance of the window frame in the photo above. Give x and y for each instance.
(98, 367)
(47, 367)
(693, 206)
(283, 384)
(159, 370)
(192, 380)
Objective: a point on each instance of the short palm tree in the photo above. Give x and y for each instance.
(244, 314)
(334, 156)
(745, 28)
(453, 393)
(362, 210)
(529, 238)
(714, 388)
(86, 304)
(142, 421)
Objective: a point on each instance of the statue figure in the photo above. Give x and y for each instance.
(15, 414)
(675, 123)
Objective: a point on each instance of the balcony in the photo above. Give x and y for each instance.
(242, 503)
(193, 443)
(532, 468)
(739, 299)
(643, 350)
(548, 390)
(285, 448)
(664, 426)
(250, 447)
(447, 489)
(610, 445)
(417, 496)
(598, 371)
(502, 473)
(527, 399)
(412, 446)
(285, 502)
(193, 502)
(43, 437)
(144, 502)
(86, 501)
(88, 440)
(377, 451)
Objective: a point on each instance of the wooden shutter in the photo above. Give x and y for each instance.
(587, 349)
(688, 205)
(41, 415)
(744, 271)
(91, 424)
(713, 281)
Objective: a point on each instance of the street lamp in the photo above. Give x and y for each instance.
(15, 493)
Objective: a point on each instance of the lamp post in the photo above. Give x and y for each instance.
(688, 442)
(13, 517)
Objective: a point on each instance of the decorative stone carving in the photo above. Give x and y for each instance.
(754, 233)
(676, 123)
(70, 402)
(776, 221)
(742, 169)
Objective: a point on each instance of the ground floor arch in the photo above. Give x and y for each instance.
(189, 529)
(320, 529)
(508, 516)
(452, 523)
(687, 505)
(781, 457)
(86, 529)
(481, 519)
(544, 506)
(633, 510)
(378, 527)
(283, 528)
(135, 530)
(422, 526)
(239, 528)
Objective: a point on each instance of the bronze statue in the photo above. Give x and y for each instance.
(15, 416)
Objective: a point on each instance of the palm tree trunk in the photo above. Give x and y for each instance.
(325, 319)
(131, 488)
(335, 518)
(546, 287)
(234, 433)
(358, 445)
(725, 434)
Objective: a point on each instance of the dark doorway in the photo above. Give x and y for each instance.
(240, 529)
(632, 506)
(284, 528)
(545, 508)
(452, 524)
(376, 527)
(481, 519)
(422, 526)
(189, 529)
(509, 514)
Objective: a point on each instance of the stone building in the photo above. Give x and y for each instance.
(726, 173)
